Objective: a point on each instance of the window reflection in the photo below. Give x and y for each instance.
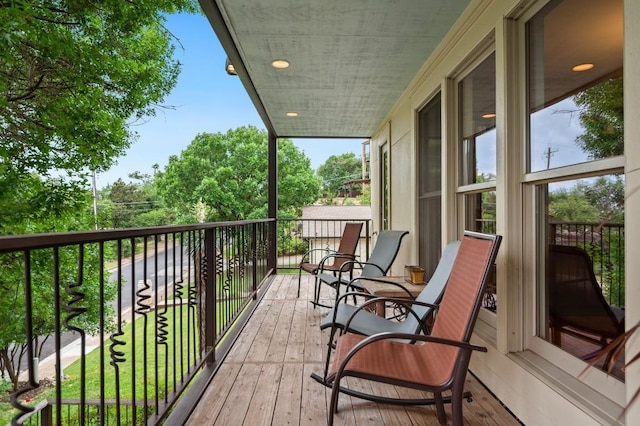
(477, 93)
(584, 252)
(575, 116)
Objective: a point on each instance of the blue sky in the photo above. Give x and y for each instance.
(206, 99)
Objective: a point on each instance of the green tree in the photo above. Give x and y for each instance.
(606, 194)
(571, 206)
(72, 77)
(132, 205)
(69, 214)
(337, 170)
(602, 116)
(228, 173)
(126, 199)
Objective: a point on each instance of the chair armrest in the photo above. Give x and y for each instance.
(348, 265)
(355, 293)
(307, 253)
(334, 255)
(341, 299)
(407, 304)
(381, 280)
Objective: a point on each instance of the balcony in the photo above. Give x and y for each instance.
(194, 324)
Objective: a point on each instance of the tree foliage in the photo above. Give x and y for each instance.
(598, 201)
(228, 173)
(31, 212)
(73, 73)
(602, 116)
(72, 76)
(337, 170)
(132, 205)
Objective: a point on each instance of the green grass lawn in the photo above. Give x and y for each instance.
(137, 370)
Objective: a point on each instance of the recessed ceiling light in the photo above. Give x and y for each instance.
(292, 114)
(489, 115)
(582, 67)
(280, 64)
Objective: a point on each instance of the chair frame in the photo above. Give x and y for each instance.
(455, 381)
(334, 255)
(431, 295)
(336, 281)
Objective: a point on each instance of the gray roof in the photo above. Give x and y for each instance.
(336, 212)
(329, 221)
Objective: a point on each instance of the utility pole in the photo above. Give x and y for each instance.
(95, 200)
(549, 154)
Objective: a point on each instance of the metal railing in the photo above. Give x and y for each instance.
(605, 245)
(155, 303)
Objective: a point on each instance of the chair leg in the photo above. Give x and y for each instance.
(442, 416)
(299, 280)
(329, 348)
(335, 393)
(456, 405)
(316, 292)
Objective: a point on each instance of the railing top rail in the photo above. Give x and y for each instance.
(594, 224)
(322, 219)
(38, 241)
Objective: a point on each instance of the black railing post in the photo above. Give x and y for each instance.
(210, 294)
(272, 200)
(46, 416)
(254, 259)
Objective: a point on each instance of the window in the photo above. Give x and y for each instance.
(477, 156)
(477, 94)
(429, 185)
(384, 187)
(575, 166)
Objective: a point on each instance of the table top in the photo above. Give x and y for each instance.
(382, 289)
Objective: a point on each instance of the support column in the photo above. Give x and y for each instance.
(272, 201)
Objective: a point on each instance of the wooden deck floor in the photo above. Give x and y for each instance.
(265, 379)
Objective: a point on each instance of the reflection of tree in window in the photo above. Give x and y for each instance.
(602, 116)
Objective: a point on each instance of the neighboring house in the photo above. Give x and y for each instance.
(328, 221)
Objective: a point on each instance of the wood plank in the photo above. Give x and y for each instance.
(258, 350)
(263, 403)
(306, 286)
(289, 395)
(315, 344)
(215, 395)
(314, 399)
(296, 344)
(281, 290)
(490, 406)
(280, 338)
(246, 339)
(239, 397)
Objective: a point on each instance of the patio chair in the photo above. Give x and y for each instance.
(360, 320)
(437, 362)
(333, 260)
(576, 304)
(378, 264)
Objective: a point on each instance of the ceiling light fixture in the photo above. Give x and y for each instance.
(489, 115)
(280, 64)
(292, 114)
(582, 67)
(229, 68)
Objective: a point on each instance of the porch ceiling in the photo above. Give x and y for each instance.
(350, 59)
